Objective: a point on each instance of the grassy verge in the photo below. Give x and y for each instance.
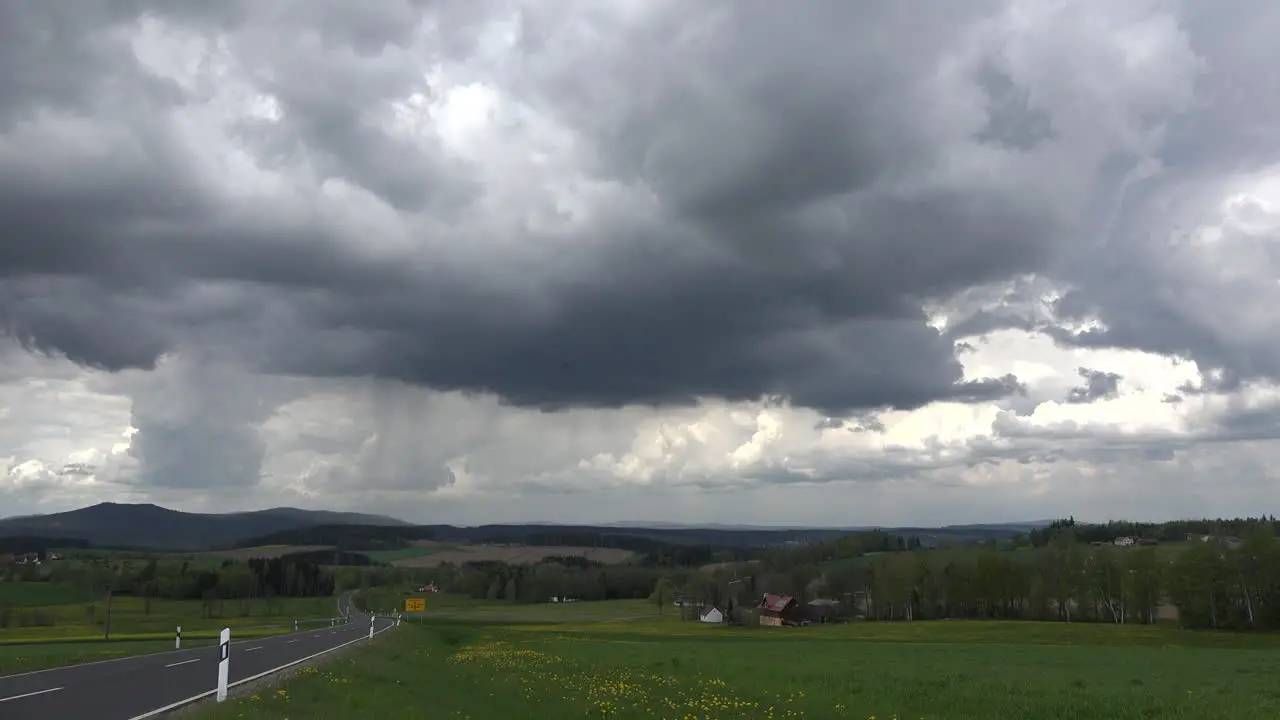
(23, 658)
(239, 633)
(133, 616)
(461, 608)
(666, 668)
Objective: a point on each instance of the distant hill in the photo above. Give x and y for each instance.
(145, 526)
(151, 527)
(993, 529)
(355, 537)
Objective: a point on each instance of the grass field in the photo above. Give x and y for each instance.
(37, 594)
(129, 616)
(71, 634)
(511, 554)
(417, 551)
(562, 665)
(265, 551)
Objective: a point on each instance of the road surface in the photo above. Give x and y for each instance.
(146, 686)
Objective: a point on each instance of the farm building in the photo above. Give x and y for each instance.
(713, 616)
(779, 610)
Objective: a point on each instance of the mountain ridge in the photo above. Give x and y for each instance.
(147, 525)
(152, 527)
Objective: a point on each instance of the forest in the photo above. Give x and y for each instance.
(1170, 531)
(231, 580)
(1222, 582)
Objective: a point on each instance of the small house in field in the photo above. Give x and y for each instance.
(779, 610)
(713, 616)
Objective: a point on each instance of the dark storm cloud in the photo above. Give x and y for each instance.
(803, 165)
(1098, 385)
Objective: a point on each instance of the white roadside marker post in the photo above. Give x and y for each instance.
(177, 639)
(370, 626)
(295, 626)
(224, 662)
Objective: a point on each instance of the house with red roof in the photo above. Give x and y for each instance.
(779, 610)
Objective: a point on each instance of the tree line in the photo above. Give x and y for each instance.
(230, 580)
(680, 566)
(1218, 583)
(1171, 531)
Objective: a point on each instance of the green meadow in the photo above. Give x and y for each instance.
(46, 624)
(390, 556)
(560, 662)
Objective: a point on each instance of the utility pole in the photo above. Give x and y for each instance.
(110, 585)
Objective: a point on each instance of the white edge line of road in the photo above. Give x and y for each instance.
(38, 692)
(207, 693)
(266, 638)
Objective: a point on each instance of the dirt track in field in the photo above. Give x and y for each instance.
(514, 555)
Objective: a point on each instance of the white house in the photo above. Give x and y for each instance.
(713, 616)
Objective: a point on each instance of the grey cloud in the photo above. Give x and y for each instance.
(1011, 121)
(198, 425)
(1151, 281)
(1098, 385)
(804, 174)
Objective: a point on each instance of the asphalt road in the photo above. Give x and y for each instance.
(143, 686)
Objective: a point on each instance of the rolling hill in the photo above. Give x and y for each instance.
(151, 527)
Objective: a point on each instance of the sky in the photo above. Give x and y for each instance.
(817, 263)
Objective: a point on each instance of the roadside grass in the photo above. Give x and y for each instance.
(240, 633)
(130, 617)
(946, 632)
(393, 597)
(462, 609)
(578, 612)
(663, 667)
(405, 673)
(24, 658)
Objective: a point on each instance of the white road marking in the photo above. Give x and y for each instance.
(184, 662)
(30, 694)
(207, 693)
(127, 658)
(253, 648)
(293, 641)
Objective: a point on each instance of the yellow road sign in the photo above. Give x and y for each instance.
(415, 605)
